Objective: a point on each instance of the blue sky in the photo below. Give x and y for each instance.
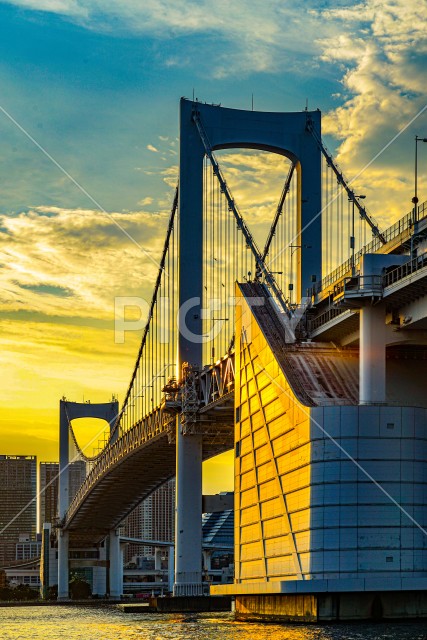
(98, 84)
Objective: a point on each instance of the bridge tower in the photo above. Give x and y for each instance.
(282, 133)
(69, 411)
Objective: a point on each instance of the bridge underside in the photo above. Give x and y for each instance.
(127, 483)
(136, 476)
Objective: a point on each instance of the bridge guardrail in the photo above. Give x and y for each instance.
(400, 272)
(323, 318)
(404, 224)
(361, 286)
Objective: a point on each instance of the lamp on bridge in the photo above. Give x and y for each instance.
(415, 198)
(352, 237)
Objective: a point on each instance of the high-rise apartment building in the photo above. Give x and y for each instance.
(49, 487)
(18, 513)
(153, 519)
(76, 476)
(48, 499)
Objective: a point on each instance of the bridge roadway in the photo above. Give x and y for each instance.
(144, 457)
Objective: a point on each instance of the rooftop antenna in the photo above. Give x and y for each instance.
(306, 104)
(193, 94)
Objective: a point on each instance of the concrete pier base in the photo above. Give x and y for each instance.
(116, 565)
(340, 607)
(191, 604)
(188, 530)
(372, 363)
(63, 567)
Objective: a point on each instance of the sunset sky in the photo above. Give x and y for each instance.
(96, 85)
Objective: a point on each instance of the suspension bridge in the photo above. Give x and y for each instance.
(307, 355)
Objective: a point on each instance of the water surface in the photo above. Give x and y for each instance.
(87, 623)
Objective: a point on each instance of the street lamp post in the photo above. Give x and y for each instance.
(415, 198)
(352, 237)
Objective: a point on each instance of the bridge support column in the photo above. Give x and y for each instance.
(116, 565)
(63, 570)
(207, 560)
(64, 460)
(372, 355)
(188, 531)
(171, 568)
(157, 559)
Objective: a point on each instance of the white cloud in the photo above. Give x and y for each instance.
(376, 49)
(73, 8)
(170, 175)
(257, 32)
(146, 201)
(381, 52)
(67, 262)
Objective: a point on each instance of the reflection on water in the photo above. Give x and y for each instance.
(71, 623)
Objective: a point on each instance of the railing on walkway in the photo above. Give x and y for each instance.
(404, 270)
(399, 227)
(359, 287)
(362, 287)
(330, 314)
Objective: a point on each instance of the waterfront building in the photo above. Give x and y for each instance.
(29, 576)
(218, 533)
(28, 548)
(18, 486)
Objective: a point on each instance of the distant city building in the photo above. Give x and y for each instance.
(26, 576)
(3, 579)
(77, 475)
(18, 513)
(28, 548)
(48, 500)
(150, 574)
(49, 487)
(218, 531)
(153, 519)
